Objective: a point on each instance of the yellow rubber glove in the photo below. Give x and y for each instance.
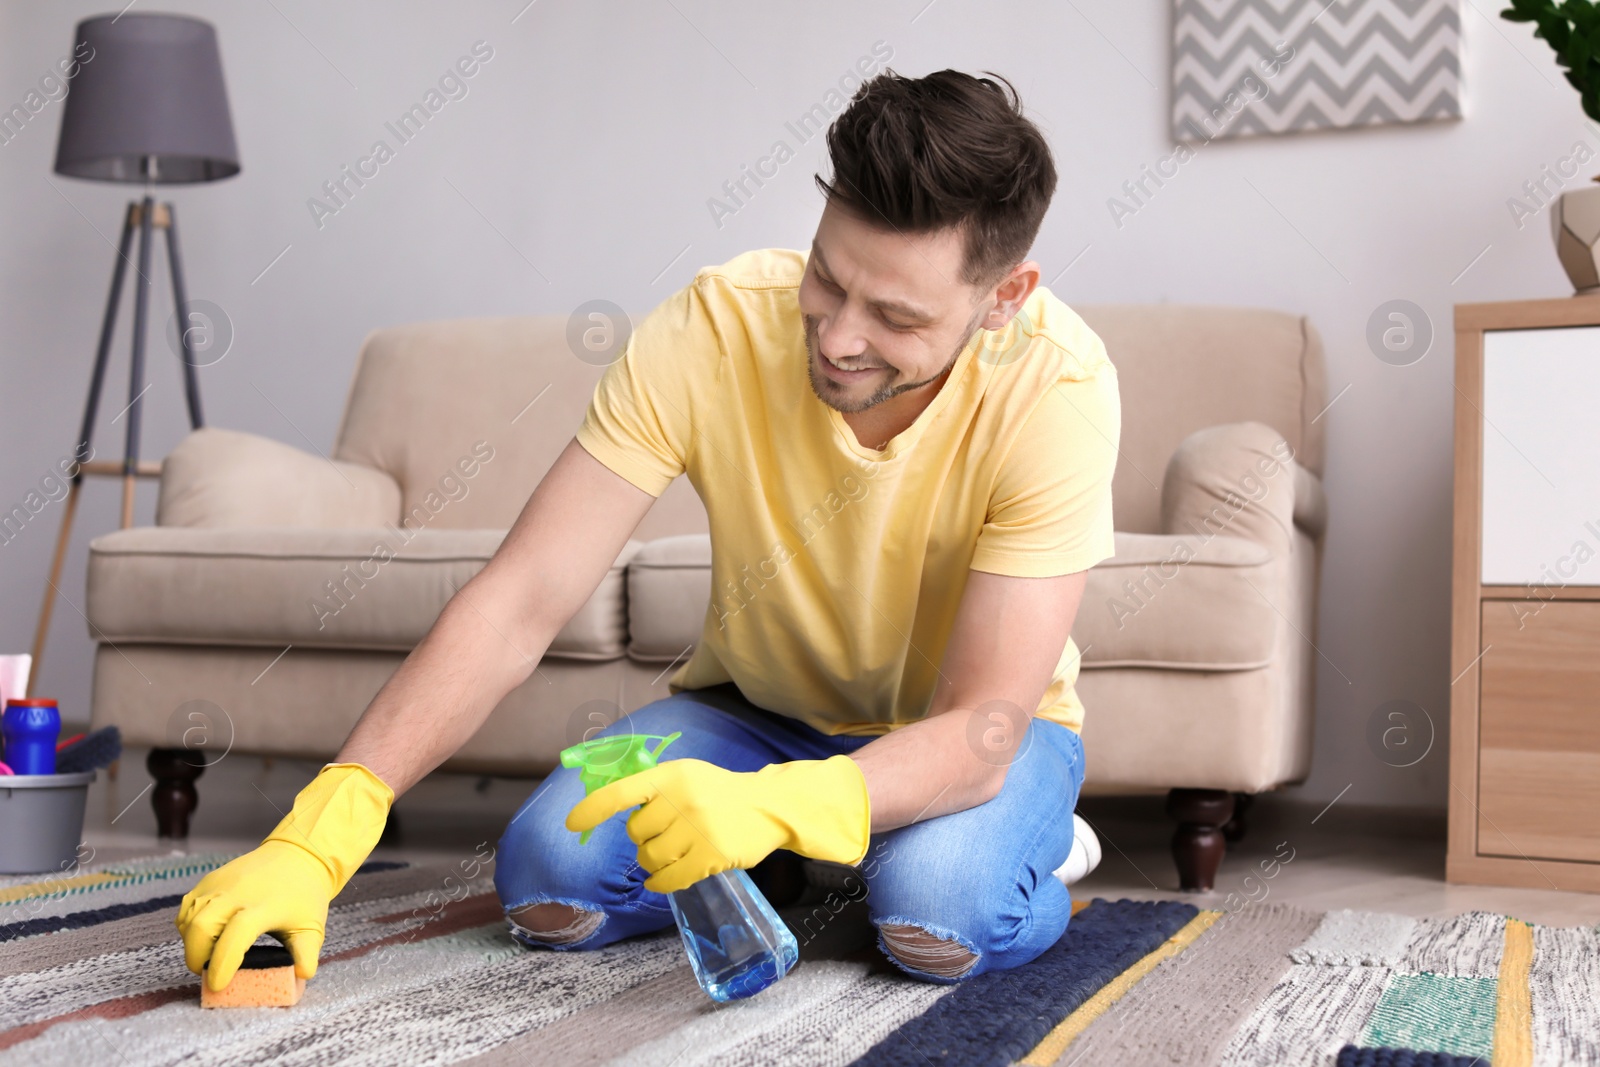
(698, 819)
(285, 886)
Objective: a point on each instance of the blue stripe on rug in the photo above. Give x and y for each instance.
(78, 920)
(998, 1017)
(1355, 1056)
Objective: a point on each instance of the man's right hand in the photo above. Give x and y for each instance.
(279, 887)
(284, 887)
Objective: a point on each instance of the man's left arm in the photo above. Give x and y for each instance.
(1000, 659)
(1049, 520)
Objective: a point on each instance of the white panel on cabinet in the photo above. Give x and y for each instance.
(1541, 457)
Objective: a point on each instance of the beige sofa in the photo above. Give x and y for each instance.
(280, 588)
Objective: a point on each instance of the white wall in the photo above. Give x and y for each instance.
(579, 166)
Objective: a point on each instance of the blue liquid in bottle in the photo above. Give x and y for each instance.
(736, 943)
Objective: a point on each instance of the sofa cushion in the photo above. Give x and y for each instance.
(669, 593)
(1162, 601)
(379, 588)
(1183, 603)
(218, 477)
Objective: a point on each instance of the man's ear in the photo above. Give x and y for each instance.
(1011, 292)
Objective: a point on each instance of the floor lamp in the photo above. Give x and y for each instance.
(147, 104)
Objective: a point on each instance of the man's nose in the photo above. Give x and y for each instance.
(840, 338)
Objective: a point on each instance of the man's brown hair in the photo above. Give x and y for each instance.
(919, 154)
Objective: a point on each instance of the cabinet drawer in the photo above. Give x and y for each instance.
(1539, 730)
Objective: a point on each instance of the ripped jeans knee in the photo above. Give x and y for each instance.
(555, 923)
(938, 957)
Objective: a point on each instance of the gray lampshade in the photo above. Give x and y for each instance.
(151, 87)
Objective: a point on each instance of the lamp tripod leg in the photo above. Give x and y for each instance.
(191, 382)
(134, 410)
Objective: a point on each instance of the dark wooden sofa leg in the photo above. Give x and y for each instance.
(1234, 829)
(1198, 844)
(174, 796)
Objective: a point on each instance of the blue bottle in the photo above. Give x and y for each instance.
(31, 728)
(737, 945)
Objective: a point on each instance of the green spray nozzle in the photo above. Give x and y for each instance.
(604, 760)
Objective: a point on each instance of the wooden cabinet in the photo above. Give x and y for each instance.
(1525, 621)
(1539, 731)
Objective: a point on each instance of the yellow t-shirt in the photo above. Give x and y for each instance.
(836, 569)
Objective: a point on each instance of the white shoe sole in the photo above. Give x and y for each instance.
(1085, 854)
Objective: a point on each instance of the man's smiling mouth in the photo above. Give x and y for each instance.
(849, 370)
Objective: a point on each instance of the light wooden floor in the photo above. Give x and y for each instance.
(1362, 858)
(1343, 857)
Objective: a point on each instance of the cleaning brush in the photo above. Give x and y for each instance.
(90, 751)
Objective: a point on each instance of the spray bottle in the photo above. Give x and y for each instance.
(736, 943)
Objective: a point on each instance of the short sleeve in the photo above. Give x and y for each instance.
(1050, 506)
(641, 419)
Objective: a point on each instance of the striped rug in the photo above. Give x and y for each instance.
(419, 968)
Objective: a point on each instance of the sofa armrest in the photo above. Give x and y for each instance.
(1239, 479)
(227, 478)
(1310, 503)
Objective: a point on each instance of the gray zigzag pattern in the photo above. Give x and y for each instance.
(1279, 18)
(1217, 64)
(1311, 117)
(1355, 84)
(1343, 85)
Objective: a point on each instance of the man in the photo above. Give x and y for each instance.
(905, 448)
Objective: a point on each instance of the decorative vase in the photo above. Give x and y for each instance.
(1575, 224)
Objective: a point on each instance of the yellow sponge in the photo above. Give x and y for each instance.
(265, 979)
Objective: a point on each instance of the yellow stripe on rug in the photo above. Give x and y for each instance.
(1056, 1041)
(1513, 1012)
(56, 885)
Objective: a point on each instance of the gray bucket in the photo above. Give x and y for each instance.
(41, 821)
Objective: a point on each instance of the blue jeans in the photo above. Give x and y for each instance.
(980, 877)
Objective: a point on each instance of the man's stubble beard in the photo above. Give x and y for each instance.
(819, 383)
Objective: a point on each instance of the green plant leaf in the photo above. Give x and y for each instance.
(1555, 30)
(1572, 30)
(1577, 53)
